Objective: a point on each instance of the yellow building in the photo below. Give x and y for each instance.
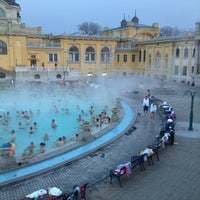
(131, 47)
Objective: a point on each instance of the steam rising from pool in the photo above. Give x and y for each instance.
(62, 102)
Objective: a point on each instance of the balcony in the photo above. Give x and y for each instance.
(43, 45)
(126, 47)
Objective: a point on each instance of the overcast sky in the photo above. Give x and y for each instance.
(59, 16)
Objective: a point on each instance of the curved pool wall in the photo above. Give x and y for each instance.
(38, 168)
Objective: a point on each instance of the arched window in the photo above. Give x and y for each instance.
(90, 54)
(184, 72)
(73, 54)
(166, 60)
(140, 56)
(2, 13)
(177, 53)
(144, 56)
(186, 53)
(176, 70)
(3, 47)
(105, 55)
(158, 60)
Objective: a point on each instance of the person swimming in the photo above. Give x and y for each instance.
(35, 126)
(46, 137)
(59, 142)
(64, 139)
(13, 136)
(31, 130)
(20, 126)
(30, 149)
(53, 124)
(42, 147)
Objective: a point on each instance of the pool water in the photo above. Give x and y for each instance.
(46, 102)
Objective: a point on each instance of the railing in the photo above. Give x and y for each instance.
(39, 69)
(43, 45)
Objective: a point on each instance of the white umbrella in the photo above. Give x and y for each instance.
(56, 192)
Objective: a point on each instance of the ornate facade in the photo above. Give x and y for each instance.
(130, 47)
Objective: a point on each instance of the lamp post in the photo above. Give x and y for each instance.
(192, 93)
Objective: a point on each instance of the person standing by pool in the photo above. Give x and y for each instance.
(153, 109)
(145, 104)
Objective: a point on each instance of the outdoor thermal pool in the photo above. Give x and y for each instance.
(27, 111)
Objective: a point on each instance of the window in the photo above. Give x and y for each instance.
(140, 56)
(2, 75)
(53, 57)
(133, 58)
(158, 60)
(90, 54)
(2, 13)
(177, 53)
(194, 53)
(50, 57)
(186, 53)
(176, 70)
(192, 69)
(3, 48)
(105, 55)
(73, 54)
(118, 58)
(184, 73)
(125, 58)
(144, 56)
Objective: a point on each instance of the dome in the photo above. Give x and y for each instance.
(135, 19)
(123, 23)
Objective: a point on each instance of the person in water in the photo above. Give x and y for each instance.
(59, 142)
(35, 126)
(46, 137)
(42, 147)
(13, 136)
(53, 124)
(31, 148)
(31, 130)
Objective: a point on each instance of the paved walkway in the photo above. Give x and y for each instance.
(175, 177)
(182, 130)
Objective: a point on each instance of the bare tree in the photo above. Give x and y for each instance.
(169, 31)
(89, 28)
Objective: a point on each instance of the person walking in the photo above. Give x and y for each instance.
(153, 110)
(145, 104)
